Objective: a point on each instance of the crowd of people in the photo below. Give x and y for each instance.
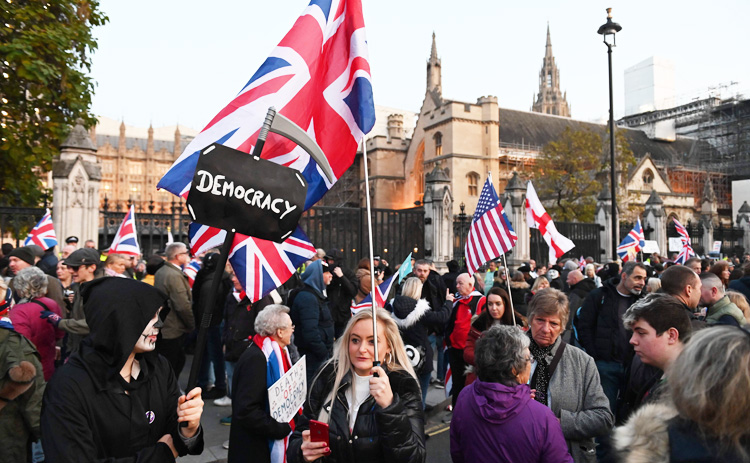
(636, 361)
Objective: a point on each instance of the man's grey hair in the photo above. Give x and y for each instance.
(270, 319)
(630, 266)
(174, 249)
(30, 282)
(499, 352)
(711, 280)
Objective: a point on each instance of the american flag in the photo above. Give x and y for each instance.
(191, 270)
(491, 233)
(318, 77)
(126, 238)
(381, 293)
(687, 249)
(43, 233)
(632, 243)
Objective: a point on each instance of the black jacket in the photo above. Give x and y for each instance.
(742, 285)
(414, 319)
(202, 295)
(313, 333)
(598, 323)
(394, 434)
(86, 412)
(252, 425)
(341, 291)
(239, 324)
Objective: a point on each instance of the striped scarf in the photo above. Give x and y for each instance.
(277, 363)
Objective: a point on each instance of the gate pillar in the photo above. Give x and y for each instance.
(515, 194)
(709, 216)
(603, 217)
(76, 176)
(655, 217)
(743, 221)
(438, 217)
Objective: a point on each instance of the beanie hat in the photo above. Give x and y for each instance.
(24, 254)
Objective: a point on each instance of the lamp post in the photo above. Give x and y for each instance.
(608, 30)
(462, 219)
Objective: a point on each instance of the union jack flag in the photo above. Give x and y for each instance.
(632, 243)
(126, 238)
(43, 233)
(491, 233)
(262, 265)
(687, 249)
(582, 264)
(381, 293)
(318, 77)
(191, 270)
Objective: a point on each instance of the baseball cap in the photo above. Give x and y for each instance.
(85, 256)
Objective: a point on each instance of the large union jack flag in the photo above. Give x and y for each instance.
(632, 243)
(43, 233)
(126, 238)
(318, 77)
(687, 249)
(491, 233)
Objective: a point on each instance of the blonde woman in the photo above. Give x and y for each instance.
(740, 301)
(374, 414)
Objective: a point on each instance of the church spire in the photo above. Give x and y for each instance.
(550, 100)
(433, 70)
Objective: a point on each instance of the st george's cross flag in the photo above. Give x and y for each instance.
(687, 249)
(319, 78)
(43, 233)
(491, 233)
(632, 243)
(537, 217)
(126, 238)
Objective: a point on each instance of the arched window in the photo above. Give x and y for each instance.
(648, 179)
(473, 179)
(438, 144)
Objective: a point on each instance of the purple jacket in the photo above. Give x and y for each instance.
(492, 423)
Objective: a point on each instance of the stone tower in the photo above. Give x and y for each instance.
(550, 100)
(433, 70)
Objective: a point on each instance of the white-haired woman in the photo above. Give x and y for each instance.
(374, 414)
(255, 435)
(31, 286)
(706, 416)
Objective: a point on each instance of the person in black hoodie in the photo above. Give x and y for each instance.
(116, 398)
(312, 317)
(341, 291)
(415, 319)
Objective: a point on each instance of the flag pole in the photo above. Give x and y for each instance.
(226, 247)
(512, 309)
(373, 288)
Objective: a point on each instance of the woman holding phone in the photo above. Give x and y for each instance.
(373, 414)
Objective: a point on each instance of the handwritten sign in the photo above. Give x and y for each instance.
(287, 395)
(675, 244)
(233, 190)
(717, 246)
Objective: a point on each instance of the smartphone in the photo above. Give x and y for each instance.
(319, 433)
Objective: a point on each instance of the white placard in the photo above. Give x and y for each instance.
(287, 395)
(717, 246)
(675, 244)
(650, 247)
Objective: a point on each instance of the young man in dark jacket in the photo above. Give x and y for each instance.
(341, 291)
(601, 332)
(312, 317)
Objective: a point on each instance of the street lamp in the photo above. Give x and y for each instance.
(462, 219)
(608, 30)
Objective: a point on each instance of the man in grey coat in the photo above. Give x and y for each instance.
(565, 378)
(170, 279)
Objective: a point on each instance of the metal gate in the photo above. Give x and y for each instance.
(586, 237)
(396, 233)
(731, 240)
(694, 230)
(16, 222)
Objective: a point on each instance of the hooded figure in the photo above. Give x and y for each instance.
(116, 398)
(312, 317)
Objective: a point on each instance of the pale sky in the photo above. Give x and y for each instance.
(166, 62)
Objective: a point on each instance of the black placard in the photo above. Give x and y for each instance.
(233, 190)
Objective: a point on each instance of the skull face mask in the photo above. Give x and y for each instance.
(147, 340)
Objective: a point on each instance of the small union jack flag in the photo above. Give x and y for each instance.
(191, 270)
(381, 293)
(687, 249)
(43, 233)
(126, 238)
(632, 244)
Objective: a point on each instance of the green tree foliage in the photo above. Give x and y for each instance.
(45, 54)
(565, 175)
(570, 171)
